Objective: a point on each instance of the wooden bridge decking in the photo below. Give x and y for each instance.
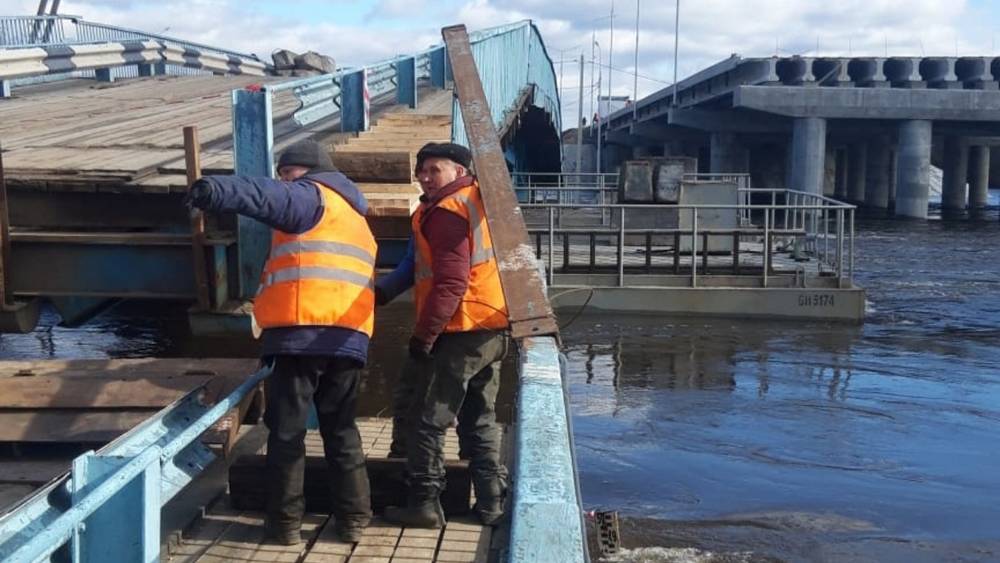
(126, 137)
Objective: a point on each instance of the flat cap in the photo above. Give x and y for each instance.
(453, 152)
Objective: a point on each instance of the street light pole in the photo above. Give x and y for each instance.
(677, 27)
(635, 79)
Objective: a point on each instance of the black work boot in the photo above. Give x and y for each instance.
(489, 501)
(422, 511)
(283, 534)
(349, 530)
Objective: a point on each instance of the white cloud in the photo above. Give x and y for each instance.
(710, 29)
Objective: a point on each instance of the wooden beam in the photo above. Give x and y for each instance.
(528, 306)
(48, 392)
(374, 166)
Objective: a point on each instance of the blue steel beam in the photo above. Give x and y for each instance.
(546, 520)
(253, 155)
(406, 81)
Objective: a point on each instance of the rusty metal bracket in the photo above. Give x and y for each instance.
(523, 287)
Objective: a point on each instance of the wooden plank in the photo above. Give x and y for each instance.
(68, 426)
(411, 188)
(33, 471)
(51, 392)
(327, 548)
(245, 540)
(131, 367)
(11, 494)
(373, 166)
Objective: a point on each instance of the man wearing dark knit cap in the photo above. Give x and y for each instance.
(459, 339)
(316, 307)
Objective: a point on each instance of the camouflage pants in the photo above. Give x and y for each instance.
(460, 381)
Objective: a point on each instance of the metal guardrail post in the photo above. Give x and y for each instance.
(766, 254)
(694, 247)
(354, 103)
(552, 244)
(253, 155)
(850, 256)
(621, 250)
(438, 63)
(840, 246)
(406, 81)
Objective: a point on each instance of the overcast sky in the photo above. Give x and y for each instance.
(363, 31)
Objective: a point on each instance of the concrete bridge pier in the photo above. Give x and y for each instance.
(727, 153)
(830, 171)
(840, 183)
(856, 171)
(956, 173)
(914, 168)
(979, 176)
(808, 151)
(877, 173)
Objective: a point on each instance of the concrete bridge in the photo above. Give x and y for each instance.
(862, 129)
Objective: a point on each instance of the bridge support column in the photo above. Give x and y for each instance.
(956, 173)
(4, 88)
(830, 171)
(727, 154)
(914, 168)
(840, 183)
(893, 177)
(807, 154)
(857, 156)
(877, 175)
(145, 69)
(979, 176)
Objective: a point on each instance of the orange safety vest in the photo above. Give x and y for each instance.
(323, 277)
(483, 306)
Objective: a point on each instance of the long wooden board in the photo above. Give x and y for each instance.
(51, 392)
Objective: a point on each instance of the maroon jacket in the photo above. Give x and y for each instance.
(448, 236)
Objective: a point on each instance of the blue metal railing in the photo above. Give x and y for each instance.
(511, 58)
(44, 31)
(108, 507)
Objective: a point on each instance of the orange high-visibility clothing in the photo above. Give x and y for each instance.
(323, 277)
(483, 306)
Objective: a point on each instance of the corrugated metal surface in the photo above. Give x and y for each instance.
(509, 58)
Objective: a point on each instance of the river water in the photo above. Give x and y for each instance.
(738, 440)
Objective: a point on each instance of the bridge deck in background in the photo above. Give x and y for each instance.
(125, 137)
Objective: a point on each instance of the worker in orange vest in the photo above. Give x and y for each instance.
(315, 304)
(458, 343)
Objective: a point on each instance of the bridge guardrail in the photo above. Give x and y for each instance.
(125, 482)
(817, 225)
(177, 56)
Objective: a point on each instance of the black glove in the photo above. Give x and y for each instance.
(199, 194)
(419, 350)
(380, 297)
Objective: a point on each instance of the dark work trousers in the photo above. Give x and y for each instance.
(461, 380)
(332, 384)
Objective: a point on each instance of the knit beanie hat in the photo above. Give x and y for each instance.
(453, 152)
(306, 153)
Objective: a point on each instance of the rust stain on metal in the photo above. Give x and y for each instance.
(527, 303)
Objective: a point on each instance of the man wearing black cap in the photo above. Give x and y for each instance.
(316, 306)
(458, 342)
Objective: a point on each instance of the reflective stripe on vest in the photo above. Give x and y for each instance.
(322, 277)
(479, 254)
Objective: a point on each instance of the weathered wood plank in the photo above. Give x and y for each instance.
(32, 472)
(63, 426)
(50, 392)
(373, 166)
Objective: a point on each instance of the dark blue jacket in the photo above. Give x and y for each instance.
(401, 278)
(294, 208)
